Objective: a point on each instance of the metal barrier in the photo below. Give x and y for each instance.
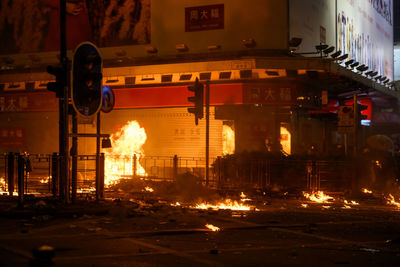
(38, 178)
(284, 174)
(153, 167)
(41, 172)
(3, 173)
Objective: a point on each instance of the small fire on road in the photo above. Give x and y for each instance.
(319, 197)
(227, 205)
(213, 227)
(390, 200)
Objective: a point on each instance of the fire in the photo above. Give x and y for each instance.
(44, 180)
(285, 140)
(228, 140)
(243, 197)
(366, 191)
(120, 159)
(318, 196)
(390, 200)
(378, 164)
(212, 227)
(148, 189)
(351, 202)
(177, 204)
(227, 205)
(304, 205)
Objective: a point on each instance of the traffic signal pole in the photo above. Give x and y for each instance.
(355, 134)
(207, 130)
(63, 109)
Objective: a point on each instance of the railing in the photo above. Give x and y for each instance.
(283, 174)
(40, 173)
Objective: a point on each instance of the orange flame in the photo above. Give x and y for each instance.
(318, 197)
(227, 205)
(212, 227)
(228, 140)
(366, 191)
(148, 189)
(390, 200)
(120, 159)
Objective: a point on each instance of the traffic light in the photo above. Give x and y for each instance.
(87, 79)
(57, 86)
(361, 115)
(197, 99)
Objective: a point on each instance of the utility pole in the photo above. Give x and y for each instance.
(355, 134)
(207, 130)
(63, 109)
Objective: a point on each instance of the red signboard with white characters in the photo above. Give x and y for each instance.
(37, 101)
(163, 96)
(12, 137)
(201, 18)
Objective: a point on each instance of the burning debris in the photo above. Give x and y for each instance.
(351, 202)
(390, 200)
(213, 228)
(227, 205)
(244, 198)
(366, 191)
(148, 189)
(319, 197)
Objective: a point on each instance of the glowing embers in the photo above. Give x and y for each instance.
(349, 204)
(390, 200)
(122, 160)
(244, 198)
(3, 187)
(318, 197)
(227, 205)
(44, 180)
(366, 191)
(148, 189)
(212, 227)
(228, 140)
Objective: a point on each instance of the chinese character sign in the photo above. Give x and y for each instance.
(203, 18)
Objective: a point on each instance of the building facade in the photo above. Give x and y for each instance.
(272, 77)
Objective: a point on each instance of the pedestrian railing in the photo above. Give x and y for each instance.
(40, 174)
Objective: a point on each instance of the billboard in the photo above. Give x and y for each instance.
(33, 26)
(365, 32)
(314, 22)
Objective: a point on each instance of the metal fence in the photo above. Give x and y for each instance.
(283, 174)
(41, 177)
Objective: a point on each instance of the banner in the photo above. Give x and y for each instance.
(34, 25)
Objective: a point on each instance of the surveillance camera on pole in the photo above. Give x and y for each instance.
(87, 92)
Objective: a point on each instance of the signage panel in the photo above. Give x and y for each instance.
(202, 18)
(365, 32)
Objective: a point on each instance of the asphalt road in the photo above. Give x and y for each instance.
(151, 232)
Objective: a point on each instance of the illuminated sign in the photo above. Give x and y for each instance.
(365, 32)
(34, 26)
(202, 18)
